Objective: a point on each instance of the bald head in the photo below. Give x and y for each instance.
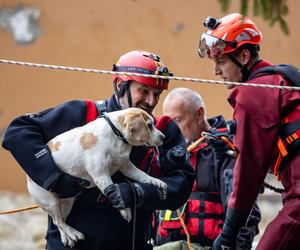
(188, 97)
(187, 109)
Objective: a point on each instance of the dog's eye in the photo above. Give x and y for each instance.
(150, 126)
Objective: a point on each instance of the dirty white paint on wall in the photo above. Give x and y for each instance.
(21, 22)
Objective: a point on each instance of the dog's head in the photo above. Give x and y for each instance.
(139, 129)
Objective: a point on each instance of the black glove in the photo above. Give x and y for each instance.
(245, 239)
(247, 233)
(224, 241)
(243, 242)
(122, 195)
(67, 186)
(234, 221)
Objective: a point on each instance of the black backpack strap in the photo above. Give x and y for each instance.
(289, 72)
(289, 128)
(262, 72)
(101, 107)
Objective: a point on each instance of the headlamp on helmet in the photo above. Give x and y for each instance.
(211, 23)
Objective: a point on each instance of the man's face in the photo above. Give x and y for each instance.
(189, 122)
(227, 70)
(143, 97)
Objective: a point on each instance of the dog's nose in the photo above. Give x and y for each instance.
(161, 136)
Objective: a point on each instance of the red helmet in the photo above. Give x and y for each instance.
(143, 62)
(227, 34)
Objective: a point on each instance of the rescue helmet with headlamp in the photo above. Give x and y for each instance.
(142, 62)
(227, 34)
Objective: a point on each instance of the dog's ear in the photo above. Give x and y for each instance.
(121, 121)
(148, 118)
(136, 127)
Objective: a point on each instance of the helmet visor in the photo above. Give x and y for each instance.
(211, 47)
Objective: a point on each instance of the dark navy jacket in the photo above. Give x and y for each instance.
(102, 225)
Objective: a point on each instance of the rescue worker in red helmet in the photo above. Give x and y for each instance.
(93, 213)
(232, 42)
(144, 63)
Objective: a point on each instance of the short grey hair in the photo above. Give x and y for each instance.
(189, 97)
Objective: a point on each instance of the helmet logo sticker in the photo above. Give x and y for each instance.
(243, 37)
(253, 32)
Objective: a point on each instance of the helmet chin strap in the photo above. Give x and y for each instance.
(129, 98)
(244, 67)
(124, 88)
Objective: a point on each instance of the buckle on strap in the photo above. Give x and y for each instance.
(101, 107)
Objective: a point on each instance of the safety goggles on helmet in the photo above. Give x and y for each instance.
(213, 47)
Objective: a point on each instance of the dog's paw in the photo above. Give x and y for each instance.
(158, 183)
(69, 236)
(126, 214)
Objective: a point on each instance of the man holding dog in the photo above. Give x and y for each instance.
(267, 134)
(204, 212)
(93, 213)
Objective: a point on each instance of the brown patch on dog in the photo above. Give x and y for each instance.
(54, 146)
(88, 140)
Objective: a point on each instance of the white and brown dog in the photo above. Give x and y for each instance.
(93, 152)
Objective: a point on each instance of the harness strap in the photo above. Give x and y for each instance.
(289, 127)
(281, 147)
(288, 142)
(102, 110)
(206, 216)
(277, 164)
(205, 196)
(114, 129)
